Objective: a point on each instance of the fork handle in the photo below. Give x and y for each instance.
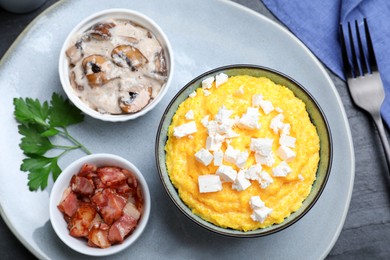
(385, 143)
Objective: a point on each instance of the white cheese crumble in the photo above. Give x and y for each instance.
(266, 106)
(241, 183)
(204, 156)
(287, 140)
(262, 146)
(268, 160)
(206, 92)
(184, 129)
(190, 115)
(265, 179)
(192, 94)
(209, 183)
(220, 79)
(241, 159)
(285, 153)
(214, 143)
(300, 177)
(255, 202)
(256, 99)
(218, 158)
(250, 119)
(207, 83)
(253, 172)
(261, 214)
(223, 114)
(260, 211)
(231, 154)
(281, 170)
(227, 173)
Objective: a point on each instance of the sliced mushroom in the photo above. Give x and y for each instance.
(136, 100)
(160, 63)
(101, 31)
(74, 53)
(93, 69)
(127, 54)
(74, 83)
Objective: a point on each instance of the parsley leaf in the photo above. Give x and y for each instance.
(38, 122)
(33, 142)
(31, 111)
(40, 168)
(63, 113)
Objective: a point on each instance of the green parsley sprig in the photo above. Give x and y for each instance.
(38, 123)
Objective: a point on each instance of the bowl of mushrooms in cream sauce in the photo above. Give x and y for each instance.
(116, 65)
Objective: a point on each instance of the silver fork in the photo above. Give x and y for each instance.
(363, 78)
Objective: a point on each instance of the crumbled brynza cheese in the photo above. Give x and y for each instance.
(218, 158)
(190, 115)
(266, 106)
(204, 156)
(220, 79)
(227, 173)
(260, 211)
(241, 183)
(207, 83)
(262, 146)
(287, 140)
(250, 119)
(281, 170)
(285, 153)
(209, 183)
(192, 94)
(184, 129)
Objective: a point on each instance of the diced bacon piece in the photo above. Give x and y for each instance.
(111, 176)
(98, 183)
(99, 199)
(124, 190)
(121, 228)
(98, 236)
(96, 221)
(82, 185)
(69, 203)
(131, 180)
(110, 205)
(131, 210)
(88, 171)
(81, 221)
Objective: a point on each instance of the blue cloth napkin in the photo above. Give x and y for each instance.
(316, 24)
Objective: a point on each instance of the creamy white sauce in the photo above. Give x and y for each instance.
(120, 78)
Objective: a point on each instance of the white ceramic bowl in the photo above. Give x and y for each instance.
(85, 24)
(62, 182)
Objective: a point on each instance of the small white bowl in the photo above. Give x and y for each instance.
(62, 182)
(85, 24)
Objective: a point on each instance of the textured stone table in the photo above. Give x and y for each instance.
(366, 232)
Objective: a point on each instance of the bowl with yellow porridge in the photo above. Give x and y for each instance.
(244, 150)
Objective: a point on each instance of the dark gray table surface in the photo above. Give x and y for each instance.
(366, 232)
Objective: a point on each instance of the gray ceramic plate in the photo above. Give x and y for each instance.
(316, 116)
(192, 27)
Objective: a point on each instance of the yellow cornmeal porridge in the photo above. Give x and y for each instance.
(231, 205)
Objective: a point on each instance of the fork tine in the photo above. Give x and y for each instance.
(371, 55)
(361, 52)
(344, 53)
(355, 66)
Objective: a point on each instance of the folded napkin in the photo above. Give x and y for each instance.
(316, 24)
